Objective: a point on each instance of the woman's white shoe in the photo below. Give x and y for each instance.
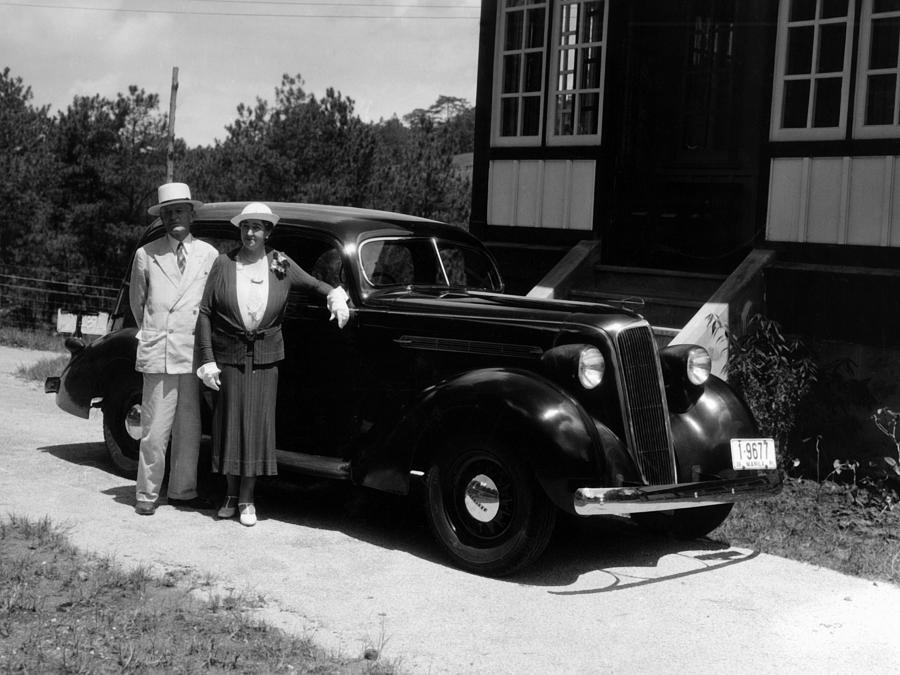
(248, 514)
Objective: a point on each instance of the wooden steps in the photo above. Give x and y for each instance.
(668, 299)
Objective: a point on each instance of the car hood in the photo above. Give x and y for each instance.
(505, 308)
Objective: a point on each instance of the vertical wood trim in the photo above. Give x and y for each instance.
(843, 223)
(541, 189)
(887, 200)
(567, 201)
(489, 202)
(514, 206)
(770, 202)
(803, 206)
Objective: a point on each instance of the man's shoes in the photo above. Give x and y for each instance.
(145, 508)
(193, 503)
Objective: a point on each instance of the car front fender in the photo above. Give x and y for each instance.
(702, 433)
(557, 437)
(91, 372)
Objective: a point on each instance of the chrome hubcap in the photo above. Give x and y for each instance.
(133, 421)
(482, 498)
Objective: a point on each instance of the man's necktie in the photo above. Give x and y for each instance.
(179, 254)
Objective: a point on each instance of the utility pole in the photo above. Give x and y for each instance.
(170, 150)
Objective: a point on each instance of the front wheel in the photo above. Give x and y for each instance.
(485, 508)
(684, 523)
(122, 431)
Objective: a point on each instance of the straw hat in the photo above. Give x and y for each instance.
(173, 193)
(255, 211)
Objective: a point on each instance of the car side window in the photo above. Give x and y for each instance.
(221, 245)
(322, 260)
(328, 267)
(388, 263)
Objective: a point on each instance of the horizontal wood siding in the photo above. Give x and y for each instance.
(556, 194)
(834, 200)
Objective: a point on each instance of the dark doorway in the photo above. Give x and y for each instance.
(696, 101)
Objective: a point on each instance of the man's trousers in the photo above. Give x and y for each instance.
(170, 407)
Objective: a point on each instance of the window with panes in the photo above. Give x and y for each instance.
(877, 111)
(522, 61)
(550, 70)
(813, 62)
(578, 68)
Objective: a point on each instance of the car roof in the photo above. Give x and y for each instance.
(346, 222)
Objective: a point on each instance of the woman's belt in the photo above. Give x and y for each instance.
(248, 337)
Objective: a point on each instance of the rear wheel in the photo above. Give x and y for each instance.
(122, 430)
(485, 508)
(684, 523)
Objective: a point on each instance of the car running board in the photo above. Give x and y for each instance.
(314, 465)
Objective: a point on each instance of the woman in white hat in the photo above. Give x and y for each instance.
(240, 342)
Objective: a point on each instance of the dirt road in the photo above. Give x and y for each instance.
(353, 569)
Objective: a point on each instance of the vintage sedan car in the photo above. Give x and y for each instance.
(506, 409)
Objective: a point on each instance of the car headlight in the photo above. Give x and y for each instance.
(591, 366)
(699, 365)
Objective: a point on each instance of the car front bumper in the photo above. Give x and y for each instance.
(626, 500)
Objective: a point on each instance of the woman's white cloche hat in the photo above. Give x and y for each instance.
(173, 193)
(255, 211)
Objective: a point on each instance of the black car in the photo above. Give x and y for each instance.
(507, 409)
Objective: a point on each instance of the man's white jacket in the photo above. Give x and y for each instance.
(164, 302)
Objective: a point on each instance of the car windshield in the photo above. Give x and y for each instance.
(411, 261)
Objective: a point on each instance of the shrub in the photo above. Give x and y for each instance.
(772, 371)
(835, 415)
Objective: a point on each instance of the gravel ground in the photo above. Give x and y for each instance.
(354, 569)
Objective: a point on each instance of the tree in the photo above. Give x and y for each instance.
(414, 170)
(27, 170)
(300, 148)
(113, 156)
(455, 119)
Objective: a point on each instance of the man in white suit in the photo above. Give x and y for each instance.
(167, 280)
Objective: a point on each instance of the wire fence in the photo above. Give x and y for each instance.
(32, 297)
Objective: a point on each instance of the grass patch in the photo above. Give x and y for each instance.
(64, 611)
(42, 369)
(819, 524)
(27, 338)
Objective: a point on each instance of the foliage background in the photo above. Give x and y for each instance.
(75, 186)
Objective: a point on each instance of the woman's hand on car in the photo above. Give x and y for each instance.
(337, 305)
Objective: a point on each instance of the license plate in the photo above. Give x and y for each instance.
(753, 453)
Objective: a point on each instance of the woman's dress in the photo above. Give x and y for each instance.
(243, 306)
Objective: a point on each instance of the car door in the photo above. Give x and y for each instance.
(317, 387)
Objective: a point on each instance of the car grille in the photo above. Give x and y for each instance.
(644, 406)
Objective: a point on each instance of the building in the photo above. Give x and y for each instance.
(743, 150)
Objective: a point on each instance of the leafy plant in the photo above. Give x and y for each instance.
(883, 473)
(886, 421)
(772, 371)
(835, 412)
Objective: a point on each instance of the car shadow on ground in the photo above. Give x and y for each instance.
(585, 556)
(603, 554)
(82, 454)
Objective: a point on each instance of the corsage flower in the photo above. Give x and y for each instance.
(280, 264)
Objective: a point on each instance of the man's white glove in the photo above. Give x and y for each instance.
(209, 373)
(337, 305)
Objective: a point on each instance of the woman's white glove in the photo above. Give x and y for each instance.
(337, 305)
(209, 373)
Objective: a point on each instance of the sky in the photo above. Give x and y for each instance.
(389, 56)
